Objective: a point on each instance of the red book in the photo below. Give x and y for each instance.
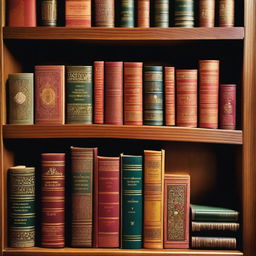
(208, 93)
(228, 106)
(114, 93)
(49, 94)
(169, 86)
(186, 87)
(143, 13)
(98, 92)
(53, 200)
(22, 13)
(107, 202)
(133, 94)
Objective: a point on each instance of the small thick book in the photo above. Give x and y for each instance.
(127, 13)
(49, 13)
(213, 242)
(161, 11)
(104, 13)
(184, 13)
(143, 13)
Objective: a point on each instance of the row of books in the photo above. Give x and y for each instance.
(120, 93)
(103, 13)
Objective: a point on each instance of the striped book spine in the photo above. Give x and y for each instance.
(133, 93)
(184, 13)
(162, 13)
(49, 13)
(104, 13)
(206, 13)
(131, 201)
(214, 226)
(153, 95)
(127, 13)
(226, 13)
(143, 13)
(213, 242)
(169, 87)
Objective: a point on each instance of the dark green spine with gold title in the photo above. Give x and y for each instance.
(184, 13)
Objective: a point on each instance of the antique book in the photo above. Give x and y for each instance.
(133, 93)
(79, 95)
(49, 94)
(161, 11)
(153, 95)
(184, 13)
(127, 13)
(143, 13)
(154, 162)
(49, 13)
(132, 213)
(206, 13)
(53, 200)
(21, 206)
(104, 13)
(213, 242)
(21, 13)
(114, 93)
(21, 98)
(83, 161)
(107, 202)
(176, 210)
(169, 89)
(226, 13)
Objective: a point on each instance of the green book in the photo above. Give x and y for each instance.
(127, 13)
(131, 201)
(212, 213)
(162, 13)
(184, 13)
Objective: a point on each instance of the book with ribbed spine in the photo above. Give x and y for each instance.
(79, 95)
(131, 230)
(226, 13)
(143, 13)
(21, 206)
(213, 242)
(49, 13)
(169, 87)
(127, 13)
(161, 8)
(153, 199)
(104, 13)
(184, 13)
(206, 13)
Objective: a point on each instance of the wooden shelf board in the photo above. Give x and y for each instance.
(163, 133)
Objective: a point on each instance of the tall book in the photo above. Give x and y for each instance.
(53, 200)
(153, 95)
(104, 13)
(83, 161)
(79, 95)
(21, 98)
(176, 210)
(161, 8)
(226, 13)
(49, 94)
(132, 214)
(21, 206)
(213, 242)
(127, 13)
(153, 199)
(206, 13)
(114, 92)
(184, 13)
(143, 13)
(49, 13)
(169, 89)
(133, 93)
(107, 202)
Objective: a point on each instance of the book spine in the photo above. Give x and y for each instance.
(114, 93)
(208, 93)
(226, 13)
(21, 211)
(127, 13)
(21, 13)
(21, 98)
(98, 92)
(206, 13)
(49, 13)
(79, 94)
(186, 97)
(153, 199)
(105, 13)
(214, 226)
(162, 13)
(217, 216)
(49, 94)
(78, 13)
(213, 242)
(133, 93)
(108, 212)
(228, 106)
(53, 200)
(143, 13)
(153, 95)
(169, 87)
(184, 13)
(176, 212)
(132, 202)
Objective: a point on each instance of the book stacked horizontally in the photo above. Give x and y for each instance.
(213, 227)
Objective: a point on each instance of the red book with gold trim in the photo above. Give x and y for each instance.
(169, 87)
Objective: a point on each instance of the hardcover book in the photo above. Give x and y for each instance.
(169, 87)
(127, 13)
(161, 9)
(184, 13)
(143, 13)
(104, 13)
(49, 13)
(213, 242)
(206, 13)
(226, 13)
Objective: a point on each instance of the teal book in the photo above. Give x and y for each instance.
(184, 13)
(212, 213)
(131, 201)
(153, 95)
(127, 13)
(162, 13)
(79, 96)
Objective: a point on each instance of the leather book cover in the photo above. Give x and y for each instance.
(53, 200)
(133, 93)
(206, 13)
(161, 10)
(153, 199)
(21, 13)
(169, 87)
(49, 94)
(79, 95)
(226, 13)
(82, 168)
(186, 104)
(143, 13)
(49, 13)
(104, 13)
(184, 13)
(98, 107)
(107, 203)
(78, 13)
(127, 13)
(208, 93)
(21, 207)
(21, 98)
(114, 93)
(213, 242)
(176, 210)
(132, 212)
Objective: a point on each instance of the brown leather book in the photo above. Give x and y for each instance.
(143, 13)
(169, 87)
(206, 13)
(213, 242)
(226, 13)
(104, 13)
